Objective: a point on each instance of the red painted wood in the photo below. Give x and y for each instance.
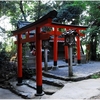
(68, 26)
(66, 52)
(19, 53)
(38, 58)
(27, 35)
(81, 34)
(78, 48)
(53, 33)
(31, 39)
(44, 36)
(55, 46)
(58, 39)
(31, 27)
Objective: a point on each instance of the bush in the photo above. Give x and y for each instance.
(7, 69)
(95, 76)
(4, 58)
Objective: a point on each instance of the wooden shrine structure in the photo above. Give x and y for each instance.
(38, 37)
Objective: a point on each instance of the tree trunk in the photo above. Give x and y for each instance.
(22, 11)
(93, 46)
(38, 13)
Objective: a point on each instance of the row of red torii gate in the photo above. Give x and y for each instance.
(45, 21)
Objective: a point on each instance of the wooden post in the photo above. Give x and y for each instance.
(38, 63)
(66, 54)
(67, 58)
(55, 51)
(78, 50)
(19, 54)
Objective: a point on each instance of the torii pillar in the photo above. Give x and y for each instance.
(19, 53)
(38, 62)
(66, 52)
(78, 49)
(55, 51)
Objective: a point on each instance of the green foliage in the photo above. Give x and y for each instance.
(9, 46)
(40, 10)
(4, 57)
(93, 31)
(24, 51)
(95, 76)
(27, 72)
(69, 12)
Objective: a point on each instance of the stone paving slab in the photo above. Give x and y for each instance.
(47, 88)
(85, 89)
(6, 94)
(24, 90)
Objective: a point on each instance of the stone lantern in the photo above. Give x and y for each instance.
(46, 45)
(70, 37)
(70, 41)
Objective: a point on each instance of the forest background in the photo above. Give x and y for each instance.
(85, 13)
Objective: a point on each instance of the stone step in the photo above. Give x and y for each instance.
(23, 90)
(28, 89)
(51, 81)
(47, 89)
(50, 75)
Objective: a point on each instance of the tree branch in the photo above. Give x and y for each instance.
(22, 11)
(39, 2)
(2, 30)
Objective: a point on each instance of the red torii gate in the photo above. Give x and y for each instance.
(56, 33)
(44, 21)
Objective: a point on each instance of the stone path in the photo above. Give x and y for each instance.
(56, 84)
(81, 70)
(86, 89)
(6, 94)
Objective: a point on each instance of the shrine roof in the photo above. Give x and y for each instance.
(28, 26)
(76, 26)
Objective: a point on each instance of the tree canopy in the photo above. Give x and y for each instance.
(69, 12)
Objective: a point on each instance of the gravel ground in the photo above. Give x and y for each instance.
(79, 70)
